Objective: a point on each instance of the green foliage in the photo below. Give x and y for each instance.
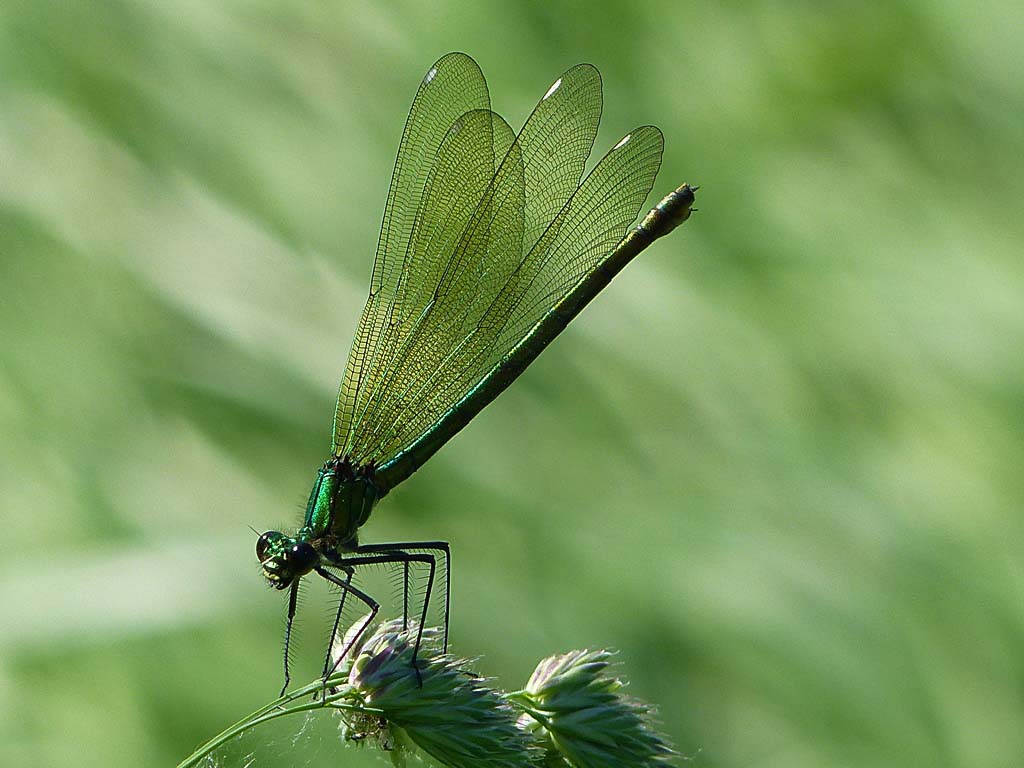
(776, 463)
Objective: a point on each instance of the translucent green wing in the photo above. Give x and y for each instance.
(577, 242)
(456, 282)
(462, 187)
(584, 233)
(453, 86)
(556, 141)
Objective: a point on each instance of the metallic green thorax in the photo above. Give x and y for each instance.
(341, 501)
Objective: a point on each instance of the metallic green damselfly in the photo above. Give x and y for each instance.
(492, 242)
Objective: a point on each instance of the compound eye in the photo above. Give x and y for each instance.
(263, 542)
(303, 556)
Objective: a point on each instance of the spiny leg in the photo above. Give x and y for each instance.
(405, 596)
(372, 604)
(337, 620)
(293, 598)
(437, 546)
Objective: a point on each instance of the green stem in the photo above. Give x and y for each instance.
(272, 711)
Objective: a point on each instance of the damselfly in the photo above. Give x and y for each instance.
(492, 242)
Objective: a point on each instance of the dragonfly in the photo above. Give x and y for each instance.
(492, 242)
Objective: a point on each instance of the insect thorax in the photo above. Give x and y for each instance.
(341, 501)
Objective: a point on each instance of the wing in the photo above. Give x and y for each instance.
(460, 221)
(451, 87)
(585, 232)
(462, 254)
(576, 256)
(502, 234)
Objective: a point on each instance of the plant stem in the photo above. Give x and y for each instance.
(272, 711)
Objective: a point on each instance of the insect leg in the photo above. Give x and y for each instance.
(372, 604)
(398, 556)
(293, 598)
(429, 546)
(349, 572)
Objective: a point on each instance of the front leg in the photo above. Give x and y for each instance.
(349, 572)
(373, 605)
(293, 599)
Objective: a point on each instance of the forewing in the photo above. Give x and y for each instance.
(556, 141)
(462, 185)
(490, 242)
(452, 87)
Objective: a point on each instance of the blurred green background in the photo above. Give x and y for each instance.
(777, 463)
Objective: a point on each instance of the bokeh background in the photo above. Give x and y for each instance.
(777, 463)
